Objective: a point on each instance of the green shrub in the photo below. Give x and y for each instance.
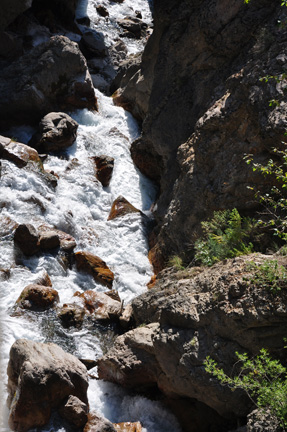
(262, 378)
(269, 275)
(177, 262)
(226, 235)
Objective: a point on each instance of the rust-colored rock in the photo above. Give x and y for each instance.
(121, 207)
(156, 259)
(43, 279)
(95, 266)
(96, 423)
(26, 237)
(99, 305)
(67, 242)
(128, 427)
(18, 153)
(38, 297)
(152, 282)
(105, 166)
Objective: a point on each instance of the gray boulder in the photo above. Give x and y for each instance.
(54, 76)
(40, 378)
(57, 131)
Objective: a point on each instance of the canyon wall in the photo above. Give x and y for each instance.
(203, 106)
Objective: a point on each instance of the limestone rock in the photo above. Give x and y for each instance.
(18, 153)
(40, 378)
(121, 207)
(57, 131)
(95, 266)
(54, 76)
(105, 166)
(195, 313)
(99, 305)
(38, 297)
(26, 237)
(75, 411)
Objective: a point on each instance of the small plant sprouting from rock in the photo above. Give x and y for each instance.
(262, 378)
(226, 235)
(269, 275)
(177, 262)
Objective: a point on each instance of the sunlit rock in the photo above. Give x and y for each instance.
(56, 132)
(121, 207)
(95, 266)
(133, 27)
(49, 240)
(105, 166)
(67, 242)
(7, 226)
(40, 378)
(99, 306)
(97, 423)
(38, 297)
(18, 153)
(128, 427)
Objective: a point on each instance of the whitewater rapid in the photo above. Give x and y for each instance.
(80, 206)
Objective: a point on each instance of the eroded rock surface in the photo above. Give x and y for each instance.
(89, 263)
(41, 377)
(192, 314)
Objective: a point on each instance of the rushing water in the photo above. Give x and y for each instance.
(80, 206)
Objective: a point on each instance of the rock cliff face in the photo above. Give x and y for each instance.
(189, 315)
(203, 107)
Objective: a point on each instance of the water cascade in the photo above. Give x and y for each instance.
(80, 206)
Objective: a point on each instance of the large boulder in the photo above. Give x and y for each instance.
(121, 207)
(54, 76)
(56, 132)
(40, 378)
(27, 239)
(195, 313)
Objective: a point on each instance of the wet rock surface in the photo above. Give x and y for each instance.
(37, 297)
(18, 153)
(59, 373)
(104, 171)
(121, 207)
(95, 266)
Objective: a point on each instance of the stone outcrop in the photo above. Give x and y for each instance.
(89, 263)
(54, 76)
(189, 315)
(203, 106)
(56, 132)
(41, 378)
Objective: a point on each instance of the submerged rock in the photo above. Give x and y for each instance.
(57, 131)
(71, 315)
(40, 378)
(38, 297)
(95, 266)
(121, 207)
